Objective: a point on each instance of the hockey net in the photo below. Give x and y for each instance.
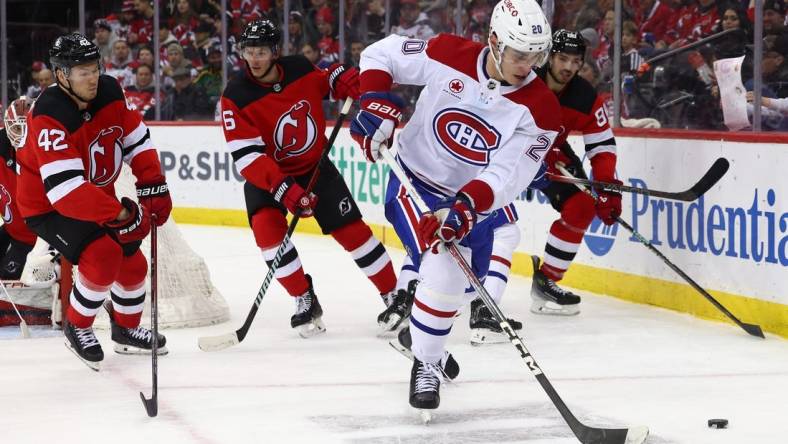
(186, 296)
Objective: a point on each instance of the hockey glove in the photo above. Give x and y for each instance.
(155, 199)
(132, 229)
(608, 204)
(554, 156)
(294, 198)
(373, 127)
(453, 219)
(343, 80)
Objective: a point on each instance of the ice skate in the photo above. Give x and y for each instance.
(449, 366)
(485, 329)
(307, 320)
(398, 308)
(134, 341)
(549, 298)
(83, 343)
(425, 383)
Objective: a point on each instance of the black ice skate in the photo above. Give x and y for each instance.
(307, 319)
(134, 341)
(549, 298)
(425, 384)
(449, 366)
(398, 308)
(484, 328)
(83, 343)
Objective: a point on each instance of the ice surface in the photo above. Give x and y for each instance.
(616, 364)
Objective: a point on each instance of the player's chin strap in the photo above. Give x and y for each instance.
(68, 87)
(498, 60)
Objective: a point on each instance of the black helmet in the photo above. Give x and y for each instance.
(568, 42)
(261, 32)
(71, 50)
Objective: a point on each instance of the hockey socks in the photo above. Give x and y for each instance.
(370, 255)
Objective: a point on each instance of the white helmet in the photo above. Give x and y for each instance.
(15, 120)
(522, 26)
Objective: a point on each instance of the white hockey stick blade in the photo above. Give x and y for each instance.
(216, 343)
(25, 330)
(636, 435)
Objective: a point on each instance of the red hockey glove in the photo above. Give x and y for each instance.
(155, 199)
(555, 155)
(343, 80)
(294, 198)
(608, 204)
(453, 220)
(373, 127)
(132, 229)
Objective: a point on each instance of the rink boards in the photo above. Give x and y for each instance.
(733, 241)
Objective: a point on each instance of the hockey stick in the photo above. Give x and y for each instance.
(22, 323)
(584, 433)
(220, 342)
(152, 404)
(752, 329)
(712, 176)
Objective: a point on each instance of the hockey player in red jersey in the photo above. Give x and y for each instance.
(582, 110)
(275, 129)
(80, 134)
(477, 138)
(16, 239)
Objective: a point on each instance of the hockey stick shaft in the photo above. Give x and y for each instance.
(585, 434)
(152, 404)
(214, 343)
(751, 329)
(22, 323)
(712, 176)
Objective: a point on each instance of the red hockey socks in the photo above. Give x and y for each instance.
(369, 254)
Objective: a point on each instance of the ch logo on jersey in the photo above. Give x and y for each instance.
(5, 204)
(295, 132)
(465, 135)
(106, 155)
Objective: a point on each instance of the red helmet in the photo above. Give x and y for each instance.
(15, 120)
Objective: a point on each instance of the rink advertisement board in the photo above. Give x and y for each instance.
(733, 240)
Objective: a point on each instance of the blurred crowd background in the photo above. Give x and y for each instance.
(679, 91)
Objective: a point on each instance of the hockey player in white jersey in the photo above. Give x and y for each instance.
(481, 127)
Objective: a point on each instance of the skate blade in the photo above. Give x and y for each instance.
(131, 350)
(95, 366)
(311, 329)
(393, 325)
(426, 416)
(542, 307)
(395, 344)
(636, 435)
(486, 337)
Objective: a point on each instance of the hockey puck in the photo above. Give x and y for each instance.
(718, 423)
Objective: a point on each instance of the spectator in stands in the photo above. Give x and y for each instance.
(141, 93)
(122, 25)
(328, 44)
(296, 29)
(733, 45)
(141, 29)
(183, 22)
(356, 47)
(605, 31)
(310, 15)
(175, 60)
(165, 37)
(118, 66)
(104, 39)
(186, 100)
(655, 18)
(774, 66)
(590, 72)
(773, 15)
(144, 57)
(43, 80)
(203, 37)
(368, 25)
(705, 20)
(210, 77)
(412, 22)
(311, 52)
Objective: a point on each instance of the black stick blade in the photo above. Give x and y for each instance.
(753, 329)
(712, 176)
(151, 405)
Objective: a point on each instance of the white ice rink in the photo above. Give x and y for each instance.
(616, 364)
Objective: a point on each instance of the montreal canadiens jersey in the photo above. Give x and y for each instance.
(584, 111)
(467, 126)
(13, 223)
(278, 129)
(72, 157)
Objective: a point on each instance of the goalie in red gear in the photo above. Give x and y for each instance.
(16, 239)
(275, 129)
(80, 134)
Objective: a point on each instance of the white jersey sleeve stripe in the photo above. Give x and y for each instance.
(61, 190)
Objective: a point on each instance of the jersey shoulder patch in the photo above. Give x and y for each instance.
(455, 52)
(579, 95)
(55, 104)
